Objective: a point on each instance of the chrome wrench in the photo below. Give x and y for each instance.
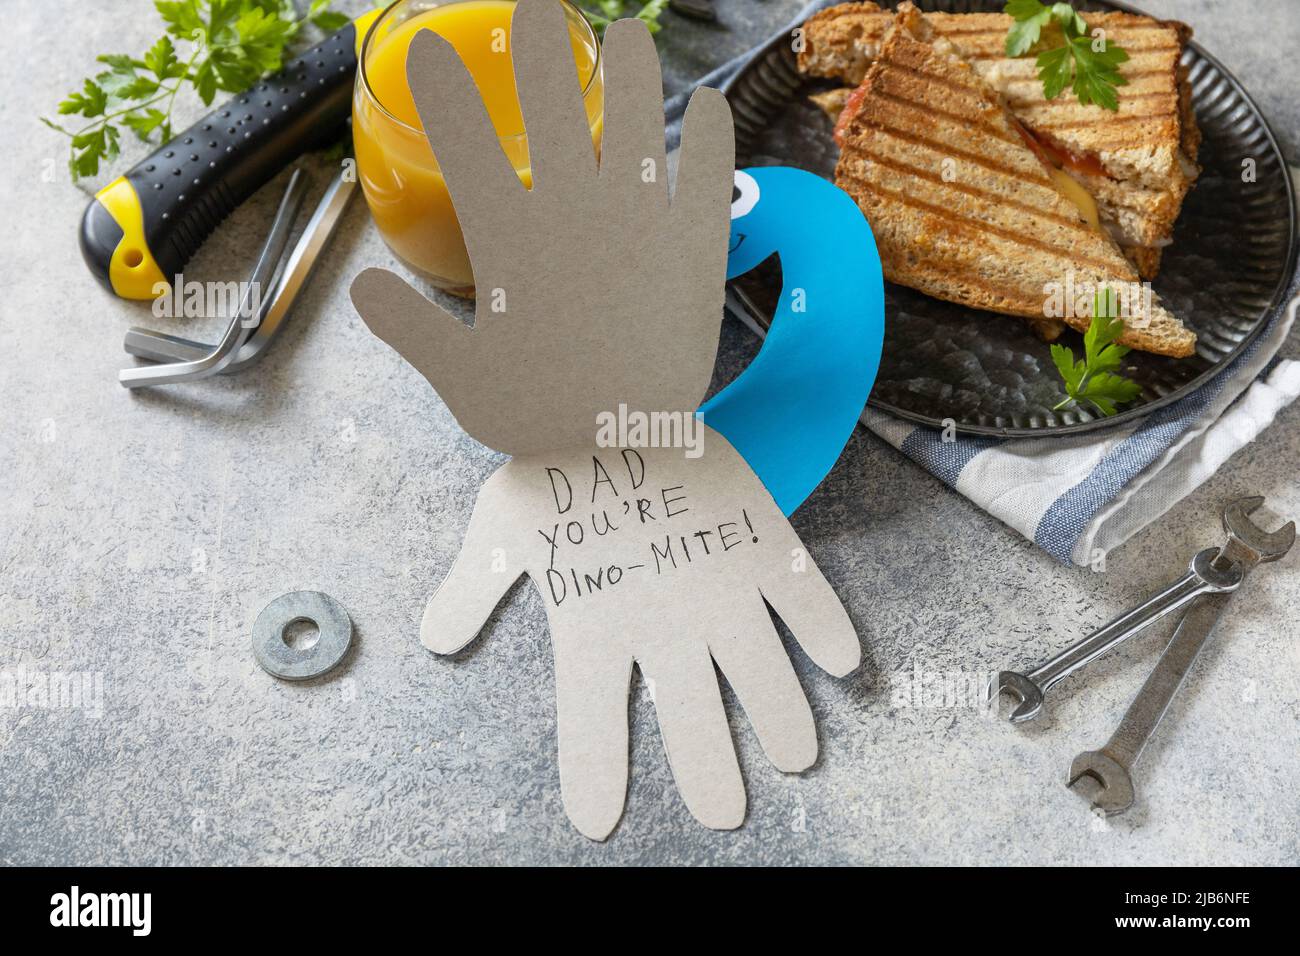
(1111, 767)
(1202, 577)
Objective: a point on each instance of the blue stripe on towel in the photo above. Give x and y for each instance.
(1067, 517)
(944, 459)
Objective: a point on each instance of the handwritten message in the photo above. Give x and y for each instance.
(616, 499)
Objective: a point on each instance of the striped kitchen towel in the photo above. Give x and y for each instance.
(1080, 497)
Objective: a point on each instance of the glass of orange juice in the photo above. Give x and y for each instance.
(398, 173)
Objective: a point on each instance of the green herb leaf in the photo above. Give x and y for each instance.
(1030, 17)
(1092, 72)
(223, 21)
(1023, 9)
(121, 76)
(161, 60)
(111, 147)
(650, 13)
(1071, 371)
(1056, 70)
(1097, 72)
(120, 62)
(142, 124)
(182, 18)
(89, 102)
(205, 82)
(223, 45)
(262, 38)
(1107, 391)
(87, 150)
(1092, 379)
(1071, 23)
(601, 13)
(330, 21)
(1102, 329)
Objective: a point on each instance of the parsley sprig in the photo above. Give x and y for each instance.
(1088, 64)
(230, 44)
(1092, 379)
(602, 13)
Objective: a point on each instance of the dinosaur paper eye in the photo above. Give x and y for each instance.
(744, 194)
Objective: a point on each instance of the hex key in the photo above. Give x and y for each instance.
(160, 347)
(239, 331)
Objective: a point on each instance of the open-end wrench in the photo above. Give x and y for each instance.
(1202, 577)
(1111, 767)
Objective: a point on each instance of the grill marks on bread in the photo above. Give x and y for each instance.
(961, 208)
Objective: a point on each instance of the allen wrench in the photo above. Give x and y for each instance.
(245, 343)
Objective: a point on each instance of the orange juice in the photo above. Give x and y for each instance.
(398, 173)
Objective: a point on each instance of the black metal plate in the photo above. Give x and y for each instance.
(1234, 251)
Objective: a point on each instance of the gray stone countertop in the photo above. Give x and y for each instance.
(141, 534)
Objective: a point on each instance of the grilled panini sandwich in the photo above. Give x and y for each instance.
(1136, 164)
(963, 209)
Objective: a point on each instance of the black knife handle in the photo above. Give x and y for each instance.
(186, 187)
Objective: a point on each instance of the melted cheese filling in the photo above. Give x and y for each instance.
(1069, 187)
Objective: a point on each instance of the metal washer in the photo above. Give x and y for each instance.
(278, 658)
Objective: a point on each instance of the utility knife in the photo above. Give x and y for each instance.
(143, 227)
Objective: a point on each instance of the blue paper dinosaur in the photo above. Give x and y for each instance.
(790, 413)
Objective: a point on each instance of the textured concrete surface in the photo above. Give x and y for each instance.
(140, 535)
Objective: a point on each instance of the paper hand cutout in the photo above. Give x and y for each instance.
(591, 289)
(647, 556)
(612, 298)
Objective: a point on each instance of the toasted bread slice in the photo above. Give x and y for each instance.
(1139, 143)
(1137, 163)
(841, 42)
(1131, 213)
(964, 210)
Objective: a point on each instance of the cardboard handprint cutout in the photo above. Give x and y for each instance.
(598, 294)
